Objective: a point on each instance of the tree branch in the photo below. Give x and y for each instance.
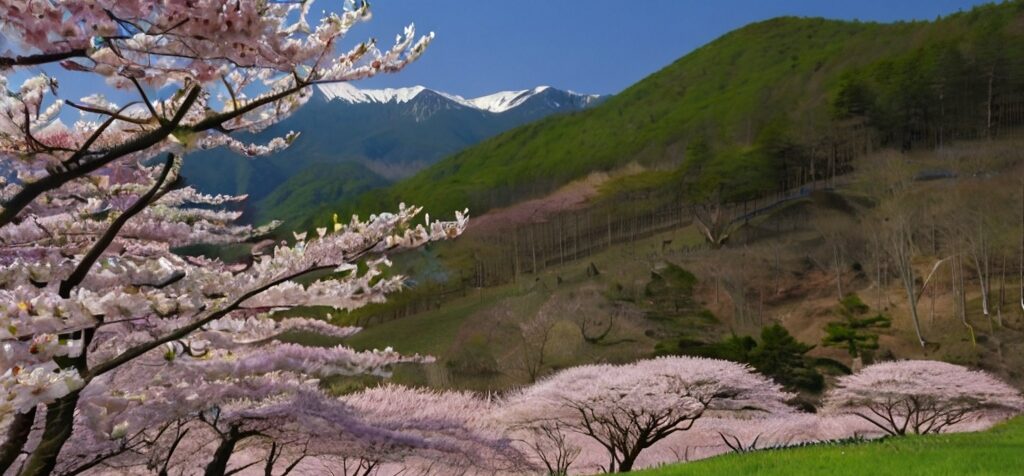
(111, 232)
(32, 190)
(42, 58)
(17, 435)
(217, 122)
(135, 352)
(145, 99)
(106, 112)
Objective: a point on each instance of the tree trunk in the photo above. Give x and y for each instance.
(628, 460)
(913, 310)
(878, 276)
(60, 418)
(219, 464)
(17, 436)
(609, 231)
(1002, 292)
(839, 272)
(902, 253)
(961, 299)
(515, 253)
(533, 252)
(988, 109)
(268, 468)
(983, 284)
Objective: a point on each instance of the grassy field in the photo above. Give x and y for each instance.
(997, 451)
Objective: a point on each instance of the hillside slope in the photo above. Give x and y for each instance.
(303, 194)
(753, 95)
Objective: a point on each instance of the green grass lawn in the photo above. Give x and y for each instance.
(997, 451)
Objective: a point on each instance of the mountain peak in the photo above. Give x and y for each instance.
(496, 103)
(505, 100)
(349, 93)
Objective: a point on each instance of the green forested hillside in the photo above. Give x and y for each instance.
(296, 198)
(768, 100)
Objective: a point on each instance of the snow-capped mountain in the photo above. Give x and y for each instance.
(498, 102)
(388, 133)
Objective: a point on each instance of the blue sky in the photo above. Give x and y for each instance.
(593, 46)
(590, 46)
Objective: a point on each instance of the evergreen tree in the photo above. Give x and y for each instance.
(857, 330)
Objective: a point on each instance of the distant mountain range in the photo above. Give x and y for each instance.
(353, 140)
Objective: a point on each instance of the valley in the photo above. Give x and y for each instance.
(355, 141)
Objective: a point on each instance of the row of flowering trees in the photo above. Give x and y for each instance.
(597, 418)
(615, 418)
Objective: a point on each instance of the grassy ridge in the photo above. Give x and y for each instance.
(994, 452)
(772, 76)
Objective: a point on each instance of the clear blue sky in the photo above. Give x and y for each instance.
(590, 46)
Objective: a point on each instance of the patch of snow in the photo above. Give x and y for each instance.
(349, 93)
(505, 100)
(497, 103)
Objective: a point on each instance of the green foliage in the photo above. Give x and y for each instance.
(946, 87)
(667, 298)
(735, 348)
(303, 199)
(857, 330)
(853, 304)
(671, 287)
(782, 357)
(778, 355)
(473, 357)
(853, 97)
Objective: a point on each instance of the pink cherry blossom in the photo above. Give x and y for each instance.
(921, 396)
(627, 408)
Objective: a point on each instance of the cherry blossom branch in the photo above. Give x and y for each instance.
(106, 112)
(145, 99)
(40, 59)
(101, 245)
(217, 122)
(84, 149)
(135, 352)
(30, 191)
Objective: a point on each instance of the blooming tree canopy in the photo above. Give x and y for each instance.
(112, 342)
(921, 396)
(627, 408)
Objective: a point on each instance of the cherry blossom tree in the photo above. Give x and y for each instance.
(628, 408)
(388, 427)
(112, 342)
(457, 427)
(921, 396)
